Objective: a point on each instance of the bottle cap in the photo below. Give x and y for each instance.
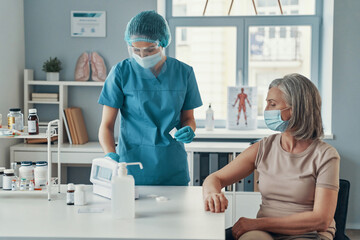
(23, 179)
(32, 111)
(41, 163)
(2, 169)
(71, 186)
(26, 163)
(7, 171)
(14, 109)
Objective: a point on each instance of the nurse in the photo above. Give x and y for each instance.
(154, 94)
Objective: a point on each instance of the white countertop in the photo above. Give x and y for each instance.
(24, 216)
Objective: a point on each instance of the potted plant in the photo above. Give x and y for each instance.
(52, 67)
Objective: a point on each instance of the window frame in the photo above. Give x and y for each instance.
(242, 24)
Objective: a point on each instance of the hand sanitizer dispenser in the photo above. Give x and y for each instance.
(123, 191)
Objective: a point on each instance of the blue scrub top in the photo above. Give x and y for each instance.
(150, 107)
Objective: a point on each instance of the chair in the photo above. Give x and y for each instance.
(341, 210)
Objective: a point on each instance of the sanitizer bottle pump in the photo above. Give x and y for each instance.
(123, 192)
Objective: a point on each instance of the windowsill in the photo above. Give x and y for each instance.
(223, 133)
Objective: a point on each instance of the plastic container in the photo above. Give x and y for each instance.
(40, 173)
(33, 122)
(70, 194)
(123, 192)
(79, 196)
(15, 119)
(1, 176)
(209, 122)
(7, 178)
(26, 171)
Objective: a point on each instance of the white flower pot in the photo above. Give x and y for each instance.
(52, 76)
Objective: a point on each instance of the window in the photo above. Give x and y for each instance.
(211, 51)
(241, 49)
(187, 8)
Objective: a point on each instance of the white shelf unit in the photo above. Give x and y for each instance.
(30, 83)
(50, 132)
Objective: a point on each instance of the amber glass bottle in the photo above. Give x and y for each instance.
(33, 122)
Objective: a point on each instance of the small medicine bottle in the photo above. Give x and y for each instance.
(23, 184)
(31, 185)
(1, 176)
(33, 122)
(13, 185)
(79, 199)
(70, 194)
(7, 178)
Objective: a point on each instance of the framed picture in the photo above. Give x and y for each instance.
(242, 108)
(88, 23)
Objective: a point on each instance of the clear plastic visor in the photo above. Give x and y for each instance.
(144, 51)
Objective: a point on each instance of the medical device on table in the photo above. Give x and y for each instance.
(102, 172)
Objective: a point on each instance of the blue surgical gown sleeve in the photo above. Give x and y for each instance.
(192, 98)
(112, 94)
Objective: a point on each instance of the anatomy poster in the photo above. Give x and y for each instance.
(242, 108)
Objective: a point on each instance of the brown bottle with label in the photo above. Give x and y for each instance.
(33, 122)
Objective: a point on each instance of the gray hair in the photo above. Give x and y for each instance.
(304, 99)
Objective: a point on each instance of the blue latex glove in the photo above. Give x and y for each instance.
(185, 135)
(113, 156)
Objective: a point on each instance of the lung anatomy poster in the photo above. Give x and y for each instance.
(242, 108)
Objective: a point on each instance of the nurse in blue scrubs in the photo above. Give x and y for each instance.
(154, 94)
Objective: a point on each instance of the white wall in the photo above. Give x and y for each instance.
(12, 63)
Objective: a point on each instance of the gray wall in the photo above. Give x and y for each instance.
(47, 34)
(346, 99)
(12, 55)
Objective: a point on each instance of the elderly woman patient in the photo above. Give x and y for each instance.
(298, 172)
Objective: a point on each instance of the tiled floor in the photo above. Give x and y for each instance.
(353, 234)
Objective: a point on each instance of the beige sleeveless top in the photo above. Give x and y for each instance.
(287, 181)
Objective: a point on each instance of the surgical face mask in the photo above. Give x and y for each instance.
(273, 120)
(149, 61)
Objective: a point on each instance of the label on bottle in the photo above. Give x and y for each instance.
(32, 126)
(11, 122)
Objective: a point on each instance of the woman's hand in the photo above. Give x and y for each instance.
(242, 226)
(215, 202)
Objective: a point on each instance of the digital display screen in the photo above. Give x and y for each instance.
(103, 173)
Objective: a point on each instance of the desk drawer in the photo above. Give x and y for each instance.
(78, 157)
(20, 156)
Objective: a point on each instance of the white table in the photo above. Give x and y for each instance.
(182, 217)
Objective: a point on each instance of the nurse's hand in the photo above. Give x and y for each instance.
(185, 135)
(113, 156)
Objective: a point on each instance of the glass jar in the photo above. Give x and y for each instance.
(15, 119)
(26, 171)
(7, 178)
(40, 173)
(33, 122)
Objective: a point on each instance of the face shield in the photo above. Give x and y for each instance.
(147, 57)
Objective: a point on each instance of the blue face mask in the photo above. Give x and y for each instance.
(273, 120)
(149, 61)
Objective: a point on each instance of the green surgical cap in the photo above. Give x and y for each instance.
(148, 26)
